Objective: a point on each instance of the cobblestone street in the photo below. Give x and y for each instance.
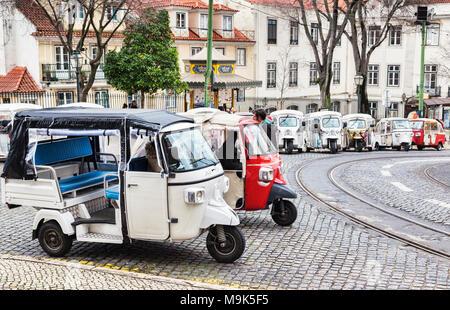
(321, 250)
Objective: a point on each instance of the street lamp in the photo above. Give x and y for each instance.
(358, 81)
(75, 61)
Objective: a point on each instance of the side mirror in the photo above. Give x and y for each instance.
(345, 125)
(303, 123)
(316, 126)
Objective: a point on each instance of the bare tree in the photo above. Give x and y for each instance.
(102, 19)
(283, 78)
(357, 32)
(330, 18)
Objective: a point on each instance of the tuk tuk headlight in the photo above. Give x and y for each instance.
(194, 195)
(266, 174)
(226, 184)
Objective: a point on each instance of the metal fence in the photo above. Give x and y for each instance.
(173, 103)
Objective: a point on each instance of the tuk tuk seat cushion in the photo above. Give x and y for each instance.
(113, 192)
(62, 150)
(84, 180)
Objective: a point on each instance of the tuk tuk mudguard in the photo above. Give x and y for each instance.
(64, 220)
(279, 191)
(216, 215)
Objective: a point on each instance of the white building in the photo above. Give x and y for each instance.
(394, 65)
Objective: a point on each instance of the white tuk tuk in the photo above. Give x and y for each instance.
(394, 132)
(166, 185)
(289, 129)
(7, 112)
(323, 130)
(358, 132)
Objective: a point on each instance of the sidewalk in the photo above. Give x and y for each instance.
(27, 273)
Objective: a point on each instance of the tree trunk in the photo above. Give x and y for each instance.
(365, 107)
(142, 99)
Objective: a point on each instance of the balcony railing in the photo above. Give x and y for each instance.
(432, 92)
(65, 73)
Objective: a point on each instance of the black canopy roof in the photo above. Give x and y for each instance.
(91, 118)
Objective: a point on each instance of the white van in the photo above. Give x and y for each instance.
(323, 130)
(394, 132)
(289, 133)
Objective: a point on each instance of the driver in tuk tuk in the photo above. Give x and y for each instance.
(152, 159)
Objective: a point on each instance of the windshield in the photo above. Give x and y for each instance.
(416, 125)
(256, 141)
(331, 122)
(287, 122)
(400, 124)
(356, 124)
(188, 150)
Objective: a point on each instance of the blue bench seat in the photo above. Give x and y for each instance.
(84, 180)
(113, 192)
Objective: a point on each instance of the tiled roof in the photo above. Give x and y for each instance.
(44, 27)
(193, 4)
(18, 80)
(238, 37)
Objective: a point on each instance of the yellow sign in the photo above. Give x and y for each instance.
(218, 68)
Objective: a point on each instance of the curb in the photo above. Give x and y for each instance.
(129, 274)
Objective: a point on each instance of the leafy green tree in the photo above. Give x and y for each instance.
(148, 61)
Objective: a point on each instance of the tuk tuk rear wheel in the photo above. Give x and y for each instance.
(52, 239)
(284, 212)
(439, 146)
(289, 146)
(232, 248)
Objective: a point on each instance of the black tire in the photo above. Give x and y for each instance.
(284, 212)
(369, 149)
(333, 147)
(439, 147)
(359, 146)
(233, 249)
(420, 148)
(398, 148)
(289, 146)
(52, 239)
(406, 147)
(300, 150)
(377, 147)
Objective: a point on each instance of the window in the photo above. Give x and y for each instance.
(272, 31)
(181, 20)
(195, 50)
(111, 13)
(78, 11)
(6, 100)
(374, 34)
(315, 32)
(95, 52)
(294, 33)
(65, 97)
(61, 58)
(204, 21)
(373, 108)
(336, 72)
(430, 75)
(227, 23)
(221, 50)
(102, 97)
(312, 107)
(372, 75)
(393, 111)
(241, 56)
(432, 35)
(240, 95)
(393, 75)
(293, 74)
(271, 75)
(336, 106)
(395, 35)
(312, 73)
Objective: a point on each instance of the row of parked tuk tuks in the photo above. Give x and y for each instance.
(120, 175)
(331, 131)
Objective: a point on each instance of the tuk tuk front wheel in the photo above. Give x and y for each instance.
(52, 239)
(284, 212)
(229, 249)
(289, 146)
(439, 146)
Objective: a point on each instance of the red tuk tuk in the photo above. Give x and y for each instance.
(250, 162)
(427, 133)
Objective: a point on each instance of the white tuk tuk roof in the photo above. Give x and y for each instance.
(12, 108)
(322, 114)
(357, 115)
(280, 113)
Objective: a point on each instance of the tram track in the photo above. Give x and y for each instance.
(426, 172)
(356, 219)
